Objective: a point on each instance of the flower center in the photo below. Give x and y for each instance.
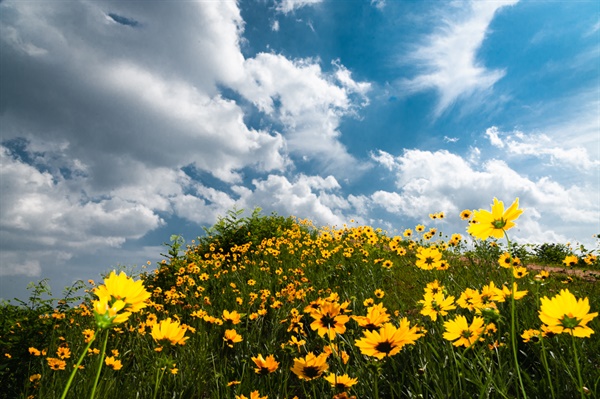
(384, 347)
(499, 224)
(310, 371)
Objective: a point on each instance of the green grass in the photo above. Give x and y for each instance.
(292, 264)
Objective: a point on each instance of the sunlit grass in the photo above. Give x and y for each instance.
(275, 307)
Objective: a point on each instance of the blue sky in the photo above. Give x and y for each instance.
(124, 122)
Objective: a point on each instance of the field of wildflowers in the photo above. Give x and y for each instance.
(275, 307)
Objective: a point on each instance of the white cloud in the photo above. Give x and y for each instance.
(287, 6)
(448, 56)
(492, 135)
(441, 181)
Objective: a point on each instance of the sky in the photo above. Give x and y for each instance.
(125, 122)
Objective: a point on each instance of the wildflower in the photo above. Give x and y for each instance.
(341, 382)
(232, 337)
(253, 395)
(376, 316)
(35, 377)
(459, 331)
(170, 331)
(590, 259)
(434, 287)
(566, 314)
(518, 294)
(466, 214)
(520, 272)
(265, 366)
(505, 260)
(113, 363)
(109, 315)
(542, 275)
(311, 366)
(328, 320)
(428, 258)
(121, 287)
(233, 317)
(34, 351)
(434, 304)
(531, 335)
(389, 340)
(387, 264)
(570, 260)
(407, 233)
(88, 335)
(63, 352)
(420, 228)
(379, 293)
(496, 222)
(56, 364)
(295, 341)
(469, 299)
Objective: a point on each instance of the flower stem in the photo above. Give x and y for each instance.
(76, 367)
(513, 335)
(102, 353)
(577, 366)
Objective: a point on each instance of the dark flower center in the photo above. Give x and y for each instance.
(384, 347)
(310, 371)
(327, 321)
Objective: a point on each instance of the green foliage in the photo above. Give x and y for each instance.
(551, 253)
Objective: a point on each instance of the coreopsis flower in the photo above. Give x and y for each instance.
(428, 258)
(329, 320)
(490, 294)
(63, 352)
(531, 335)
(109, 314)
(265, 366)
(375, 318)
(493, 224)
(389, 340)
(335, 351)
(310, 366)
(341, 382)
(232, 317)
(520, 272)
(407, 233)
(56, 364)
(379, 293)
(515, 291)
(542, 275)
(505, 260)
(169, 331)
(434, 287)
(461, 333)
(88, 335)
(434, 304)
(466, 214)
(566, 314)
(570, 260)
(231, 337)
(469, 299)
(590, 259)
(34, 351)
(113, 363)
(253, 395)
(121, 287)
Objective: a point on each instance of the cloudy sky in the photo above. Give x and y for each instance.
(123, 122)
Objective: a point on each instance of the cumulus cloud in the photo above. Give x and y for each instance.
(448, 56)
(429, 181)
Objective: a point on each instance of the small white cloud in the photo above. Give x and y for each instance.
(287, 6)
(451, 139)
(275, 26)
(380, 4)
(492, 134)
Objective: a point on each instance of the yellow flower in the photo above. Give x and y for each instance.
(253, 395)
(35, 377)
(466, 214)
(108, 315)
(233, 317)
(428, 258)
(469, 299)
(531, 335)
(168, 330)
(115, 364)
(379, 293)
(310, 366)
(34, 351)
(265, 366)
(496, 222)
(520, 272)
(63, 352)
(570, 260)
(121, 287)
(232, 337)
(566, 314)
(434, 304)
(88, 334)
(542, 275)
(56, 364)
(389, 340)
(376, 316)
(518, 294)
(341, 382)
(459, 331)
(328, 319)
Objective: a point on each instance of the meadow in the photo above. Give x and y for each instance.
(266, 306)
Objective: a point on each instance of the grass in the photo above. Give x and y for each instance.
(274, 272)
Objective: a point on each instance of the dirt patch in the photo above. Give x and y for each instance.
(588, 275)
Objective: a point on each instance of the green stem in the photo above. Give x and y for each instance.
(160, 372)
(102, 353)
(578, 367)
(513, 335)
(544, 358)
(76, 367)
